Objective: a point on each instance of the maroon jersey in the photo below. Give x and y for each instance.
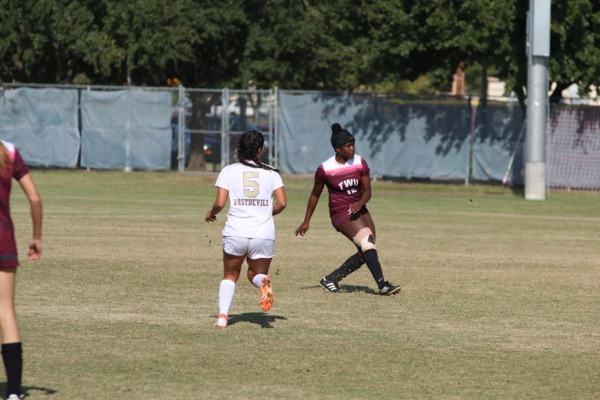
(343, 185)
(14, 167)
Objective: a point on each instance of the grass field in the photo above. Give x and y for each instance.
(500, 296)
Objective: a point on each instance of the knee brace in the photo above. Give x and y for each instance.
(364, 239)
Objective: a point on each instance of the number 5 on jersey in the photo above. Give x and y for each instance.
(251, 188)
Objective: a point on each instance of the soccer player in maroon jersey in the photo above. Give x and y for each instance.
(12, 166)
(348, 182)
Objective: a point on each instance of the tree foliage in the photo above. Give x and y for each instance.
(293, 44)
(575, 45)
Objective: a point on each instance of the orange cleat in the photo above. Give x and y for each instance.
(266, 294)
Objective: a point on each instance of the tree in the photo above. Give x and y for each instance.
(475, 32)
(220, 29)
(574, 45)
(293, 44)
(574, 48)
(105, 41)
(373, 40)
(39, 39)
(144, 40)
(287, 45)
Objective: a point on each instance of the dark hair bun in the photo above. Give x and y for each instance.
(339, 135)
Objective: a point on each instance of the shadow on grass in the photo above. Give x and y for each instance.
(262, 319)
(357, 289)
(28, 390)
(348, 289)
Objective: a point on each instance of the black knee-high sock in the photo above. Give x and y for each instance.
(12, 355)
(353, 263)
(372, 260)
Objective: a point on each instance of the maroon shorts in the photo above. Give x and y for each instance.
(8, 248)
(340, 218)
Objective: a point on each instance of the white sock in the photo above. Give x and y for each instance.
(257, 279)
(226, 292)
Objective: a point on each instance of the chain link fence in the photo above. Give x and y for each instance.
(188, 129)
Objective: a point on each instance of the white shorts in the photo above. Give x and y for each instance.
(252, 248)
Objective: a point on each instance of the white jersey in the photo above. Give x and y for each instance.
(250, 200)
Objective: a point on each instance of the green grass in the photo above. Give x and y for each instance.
(500, 296)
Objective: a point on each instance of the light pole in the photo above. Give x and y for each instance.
(538, 53)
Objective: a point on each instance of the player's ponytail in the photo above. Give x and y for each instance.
(247, 150)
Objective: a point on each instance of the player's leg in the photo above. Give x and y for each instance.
(330, 282)
(11, 341)
(342, 223)
(387, 288)
(234, 254)
(365, 238)
(370, 223)
(259, 261)
(258, 274)
(361, 232)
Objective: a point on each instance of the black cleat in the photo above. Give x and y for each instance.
(330, 286)
(388, 289)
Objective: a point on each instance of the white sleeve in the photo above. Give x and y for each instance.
(278, 182)
(223, 179)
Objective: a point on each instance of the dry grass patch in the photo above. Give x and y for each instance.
(499, 296)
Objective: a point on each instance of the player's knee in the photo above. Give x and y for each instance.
(368, 243)
(365, 240)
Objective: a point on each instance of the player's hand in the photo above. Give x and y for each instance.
(355, 207)
(35, 250)
(302, 229)
(209, 217)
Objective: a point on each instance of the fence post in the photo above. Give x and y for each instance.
(181, 130)
(225, 128)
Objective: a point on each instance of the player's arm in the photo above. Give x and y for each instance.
(35, 203)
(365, 185)
(218, 205)
(280, 200)
(313, 200)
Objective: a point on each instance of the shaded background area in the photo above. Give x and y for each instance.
(402, 137)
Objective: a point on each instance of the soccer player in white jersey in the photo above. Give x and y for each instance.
(347, 177)
(249, 232)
